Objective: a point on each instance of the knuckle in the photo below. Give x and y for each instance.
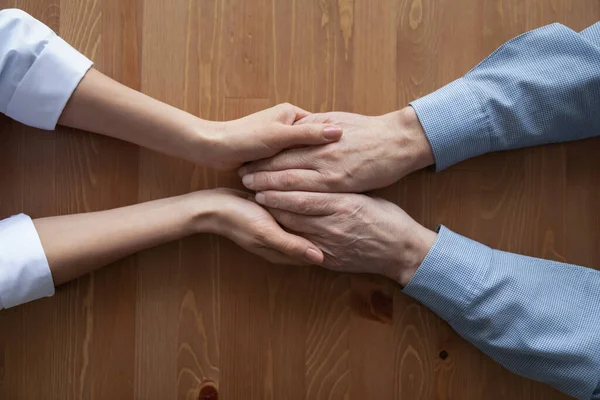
(289, 247)
(309, 119)
(330, 156)
(346, 205)
(259, 238)
(313, 130)
(289, 180)
(339, 176)
(272, 200)
(333, 179)
(305, 158)
(336, 231)
(284, 110)
(285, 219)
(266, 180)
(263, 235)
(305, 204)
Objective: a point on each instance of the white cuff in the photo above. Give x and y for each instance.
(48, 84)
(24, 270)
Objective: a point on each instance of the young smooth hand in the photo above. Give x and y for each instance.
(102, 105)
(373, 153)
(228, 145)
(234, 214)
(356, 233)
(77, 244)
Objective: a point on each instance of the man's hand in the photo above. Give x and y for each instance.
(234, 214)
(230, 144)
(355, 232)
(373, 153)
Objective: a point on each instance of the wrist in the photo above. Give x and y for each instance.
(416, 145)
(413, 253)
(200, 139)
(202, 212)
(213, 144)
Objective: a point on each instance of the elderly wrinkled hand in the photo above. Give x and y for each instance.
(374, 152)
(356, 233)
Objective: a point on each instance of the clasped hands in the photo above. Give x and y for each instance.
(308, 183)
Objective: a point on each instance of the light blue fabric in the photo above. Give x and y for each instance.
(541, 87)
(538, 318)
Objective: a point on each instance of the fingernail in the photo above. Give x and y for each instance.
(313, 256)
(248, 180)
(260, 198)
(332, 132)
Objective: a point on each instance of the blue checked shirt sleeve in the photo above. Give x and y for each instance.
(538, 318)
(540, 87)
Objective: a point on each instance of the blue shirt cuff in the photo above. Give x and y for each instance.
(455, 123)
(446, 280)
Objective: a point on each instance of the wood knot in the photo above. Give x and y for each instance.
(208, 391)
(382, 306)
(375, 306)
(415, 16)
(444, 354)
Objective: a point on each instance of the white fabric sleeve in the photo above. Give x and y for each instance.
(24, 270)
(38, 70)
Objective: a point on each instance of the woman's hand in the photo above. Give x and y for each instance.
(77, 244)
(102, 105)
(228, 145)
(235, 215)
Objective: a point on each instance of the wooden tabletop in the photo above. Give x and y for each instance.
(201, 317)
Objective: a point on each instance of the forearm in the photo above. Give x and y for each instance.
(102, 105)
(537, 318)
(78, 244)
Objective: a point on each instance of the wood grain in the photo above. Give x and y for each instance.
(201, 318)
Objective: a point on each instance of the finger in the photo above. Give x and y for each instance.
(288, 113)
(313, 118)
(304, 203)
(291, 179)
(302, 224)
(293, 246)
(304, 135)
(289, 159)
(300, 113)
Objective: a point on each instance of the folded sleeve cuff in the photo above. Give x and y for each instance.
(24, 270)
(446, 280)
(455, 123)
(48, 84)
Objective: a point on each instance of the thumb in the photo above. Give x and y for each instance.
(306, 134)
(294, 246)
